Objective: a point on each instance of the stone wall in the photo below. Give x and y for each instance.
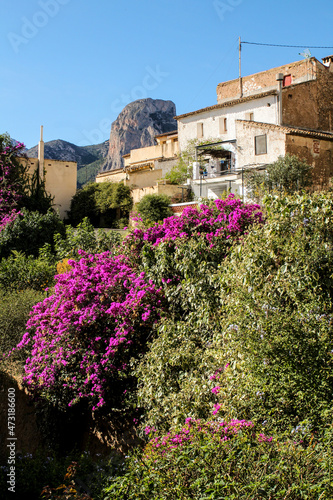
(300, 105)
(300, 71)
(316, 152)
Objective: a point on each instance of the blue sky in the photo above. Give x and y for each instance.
(72, 65)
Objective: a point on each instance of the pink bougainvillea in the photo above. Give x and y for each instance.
(100, 311)
(10, 182)
(193, 428)
(222, 220)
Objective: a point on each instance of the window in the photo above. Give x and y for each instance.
(260, 144)
(223, 125)
(200, 130)
(249, 116)
(287, 80)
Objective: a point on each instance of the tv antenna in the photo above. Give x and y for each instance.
(306, 54)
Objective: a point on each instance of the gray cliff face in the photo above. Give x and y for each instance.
(136, 127)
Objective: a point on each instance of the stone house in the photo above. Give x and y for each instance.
(257, 118)
(145, 168)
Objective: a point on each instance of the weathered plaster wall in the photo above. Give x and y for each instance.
(60, 181)
(112, 176)
(246, 132)
(316, 152)
(168, 189)
(300, 71)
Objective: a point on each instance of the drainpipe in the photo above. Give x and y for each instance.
(279, 78)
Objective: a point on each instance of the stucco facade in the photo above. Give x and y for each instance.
(144, 168)
(259, 118)
(219, 121)
(60, 181)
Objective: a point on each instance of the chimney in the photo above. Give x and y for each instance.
(328, 62)
(41, 155)
(279, 79)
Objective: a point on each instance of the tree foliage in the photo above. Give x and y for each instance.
(286, 175)
(154, 207)
(103, 203)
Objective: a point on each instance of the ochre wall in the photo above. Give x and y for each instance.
(60, 181)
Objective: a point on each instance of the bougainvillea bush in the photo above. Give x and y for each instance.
(83, 336)
(12, 178)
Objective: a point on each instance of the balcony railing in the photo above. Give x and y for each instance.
(213, 174)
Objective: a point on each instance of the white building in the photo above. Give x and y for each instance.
(253, 122)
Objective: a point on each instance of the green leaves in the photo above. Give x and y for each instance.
(103, 203)
(154, 207)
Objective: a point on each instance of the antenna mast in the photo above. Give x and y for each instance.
(240, 68)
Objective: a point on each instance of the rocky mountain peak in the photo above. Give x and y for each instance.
(136, 126)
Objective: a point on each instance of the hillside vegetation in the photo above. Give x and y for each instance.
(209, 334)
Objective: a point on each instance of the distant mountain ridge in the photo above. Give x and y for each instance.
(135, 127)
(89, 158)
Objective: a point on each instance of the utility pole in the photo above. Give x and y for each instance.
(240, 68)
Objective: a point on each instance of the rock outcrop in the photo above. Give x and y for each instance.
(136, 126)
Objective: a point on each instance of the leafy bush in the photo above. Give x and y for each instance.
(103, 203)
(277, 330)
(13, 175)
(84, 237)
(45, 470)
(14, 314)
(19, 189)
(154, 207)
(20, 272)
(29, 232)
(288, 174)
(225, 460)
(179, 173)
(183, 256)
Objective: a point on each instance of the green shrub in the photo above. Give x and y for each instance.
(29, 232)
(103, 203)
(45, 471)
(225, 461)
(20, 272)
(84, 237)
(277, 328)
(288, 175)
(179, 173)
(154, 207)
(14, 313)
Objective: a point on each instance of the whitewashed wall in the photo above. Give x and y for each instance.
(264, 110)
